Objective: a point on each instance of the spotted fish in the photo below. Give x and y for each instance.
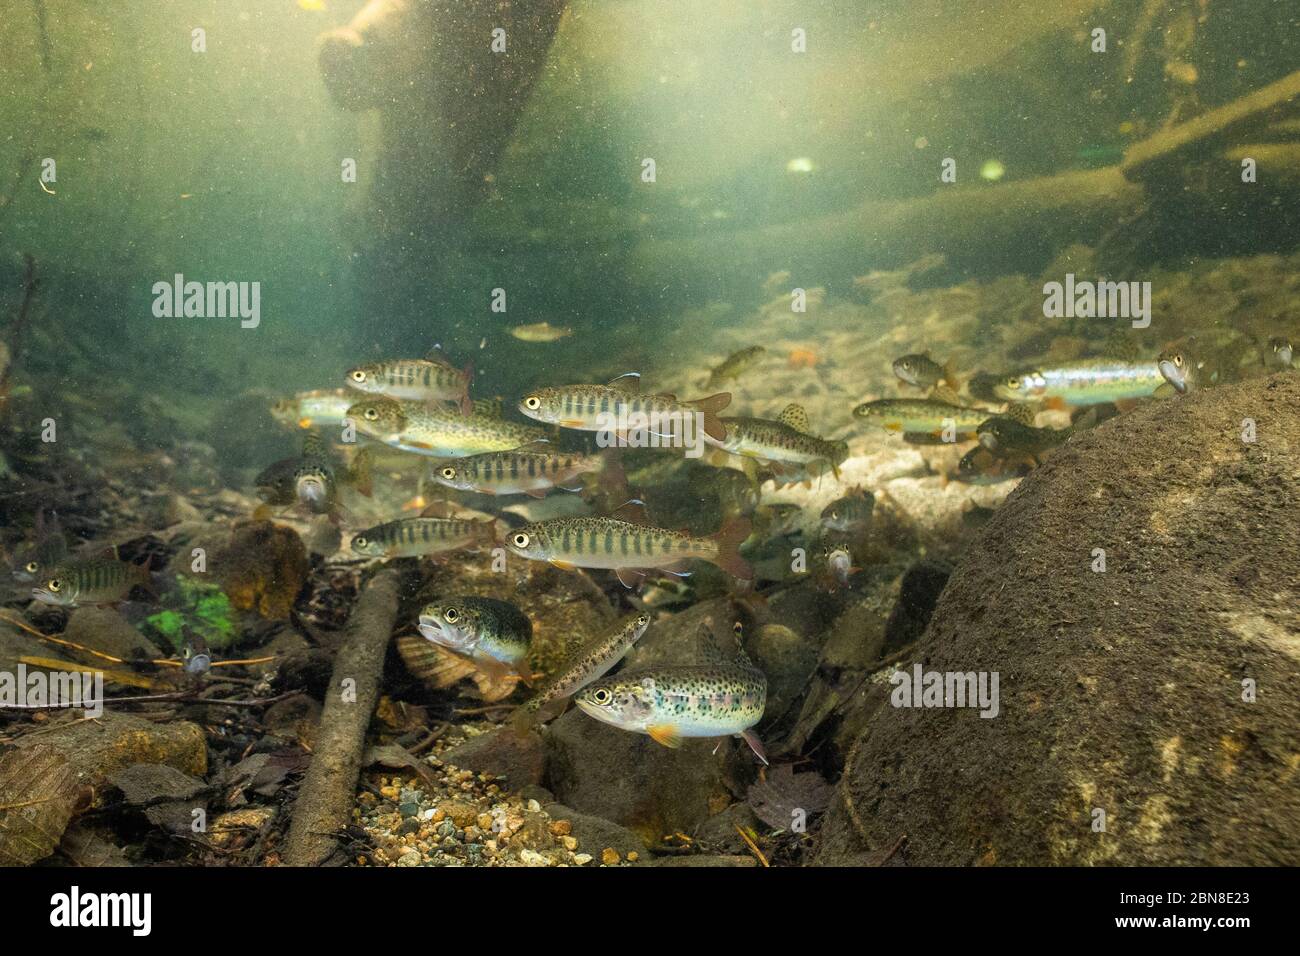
(1087, 382)
(428, 379)
(525, 471)
(590, 662)
(784, 443)
(598, 408)
(719, 698)
(629, 547)
(432, 429)
(494, 635)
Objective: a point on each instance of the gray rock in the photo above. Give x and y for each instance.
(1120, 691)
(517, 758)
(630, 779)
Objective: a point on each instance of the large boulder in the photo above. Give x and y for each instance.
(1147, 712)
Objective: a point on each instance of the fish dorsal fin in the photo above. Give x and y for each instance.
(627, 382)
(795, 417)
(312, 446)
(437, 356)
(1021, 413)
(741, 657)
(632, 511)
(439, 509)
(488, 407)
(945, 393)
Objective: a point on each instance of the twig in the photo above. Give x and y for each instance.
(752, 846)
(325, 798)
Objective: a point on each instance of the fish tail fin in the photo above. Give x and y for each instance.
(950, 376)
(709, 408)
(142, 578)
(613, 479)
(467, 403)
(524, 718)
(728, 540)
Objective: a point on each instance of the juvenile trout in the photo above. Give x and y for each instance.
(923, 372)
(783, 442)
(48, 550)
(629, 549)
(716, 699)
(105, 580)
(428, 379)
(922, 416)
(1005, 436)
(322, 408)
(310, 480)
(850, 514)
(493, 635)
(526, 472)
(431, 429)
(413, 537)
(619, 406)
(735, 365)
(1280, 352)
(588, 663)
(1087, 382)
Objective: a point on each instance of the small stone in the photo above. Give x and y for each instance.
(410, 858)
(534, 806)
(561, 827)
(533, 858)
(609, 856)
(582, 859)
(571, 844)
(633, 856)
(485, 821)
(462, 814)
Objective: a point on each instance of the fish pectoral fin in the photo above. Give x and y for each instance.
(563, 565)
(630, 578)
(665, 734)
(535, 492)
(755, 745)
(570, 422)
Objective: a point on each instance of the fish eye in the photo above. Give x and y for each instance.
(358, 375)
(30, 567)
(1178, 360)
(532, 402)
(371, 414)
(737, 628)
(55, 584)
(643, 620)
(359, 542)
(449, 472)
(1013, 383)
(451, 615)
(520, 540)
(601, 696)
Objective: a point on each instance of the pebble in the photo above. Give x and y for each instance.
(609, 856)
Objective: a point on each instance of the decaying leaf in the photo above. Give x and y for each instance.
(776, 800)
(47, 778)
